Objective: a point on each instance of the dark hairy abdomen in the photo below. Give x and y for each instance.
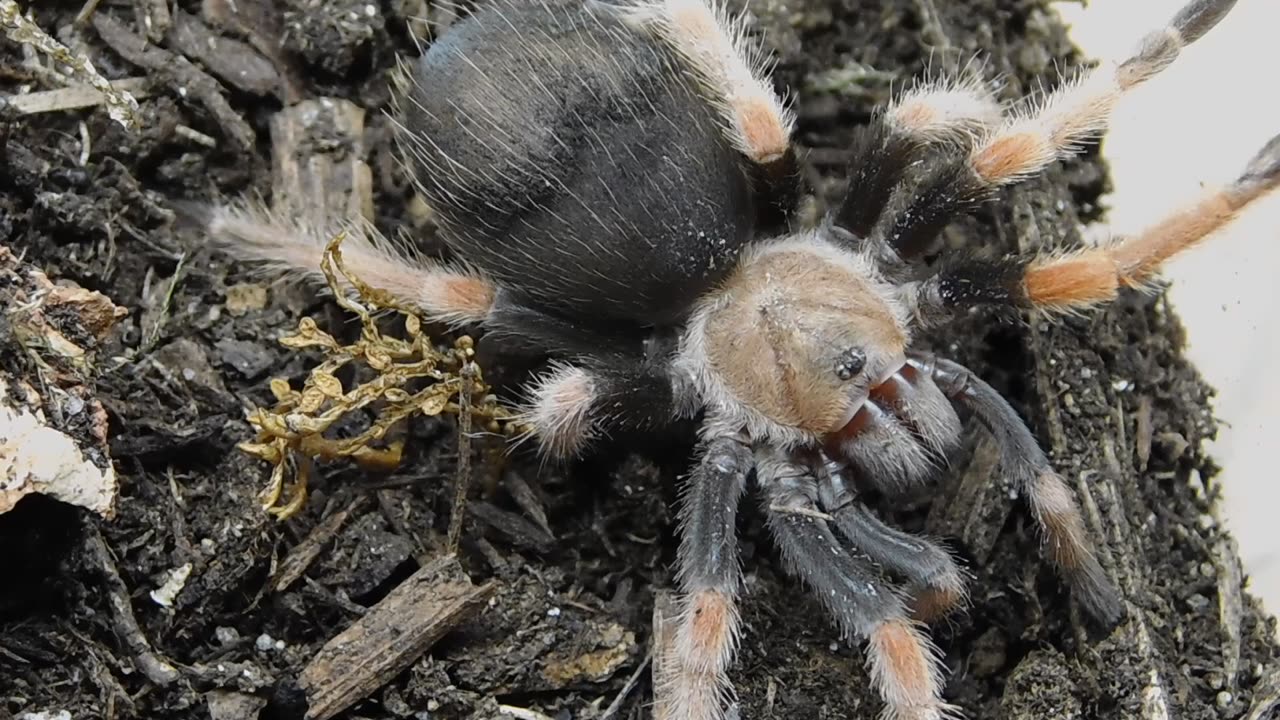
(601, 188)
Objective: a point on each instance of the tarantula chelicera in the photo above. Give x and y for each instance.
(616, 177)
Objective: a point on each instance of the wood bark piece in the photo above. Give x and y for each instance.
(235, 62)
(53, 428)
(319, 173)
(395, 633)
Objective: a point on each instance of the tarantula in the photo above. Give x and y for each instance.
(616, 180)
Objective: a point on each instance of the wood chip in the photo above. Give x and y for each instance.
(232, 705)
(319, 175)
(1143, 432)
(154, 18)
(234, 62)
(72, 98)
(515, 529)
(394, 634)
(1266, 699)
(261, 23)
(527, 498)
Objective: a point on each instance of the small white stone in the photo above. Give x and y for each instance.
(553, 612)
(168, 591)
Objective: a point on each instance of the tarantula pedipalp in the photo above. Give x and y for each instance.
(611, 174)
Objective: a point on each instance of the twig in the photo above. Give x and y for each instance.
(86, 12)
(180, 72)
(632, 681)
(155, 667)
(72, 98)
(153, 337)
(305, 552)
(462, 480)
(522, 713)
(1226, 556)
(195, 136)
(121, 106)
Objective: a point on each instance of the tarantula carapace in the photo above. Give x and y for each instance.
(610, 176)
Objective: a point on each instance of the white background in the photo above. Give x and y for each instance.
(1196, 125)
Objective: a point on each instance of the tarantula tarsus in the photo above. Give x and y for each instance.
(611, 174)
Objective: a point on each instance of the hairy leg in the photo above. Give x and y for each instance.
(250, 233)
(902, 662)
(1052, 502)
(920, 126)
(1081, 109)
(570, 405)
(1084, 278)
(1055, 127)
(935, 582)
(696, 686)
(732, 69)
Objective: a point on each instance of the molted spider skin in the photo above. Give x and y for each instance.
(573, 160)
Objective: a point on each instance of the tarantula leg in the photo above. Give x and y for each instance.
(902, 662)
(1084, 278)
(732, 68)
(936, 583)
(938, 110)
(696, 686)
(1095, 275)
(951, 109)
(1081, 109)
(445, 295)
(1025, 144)
(571, 405)
(1052, 502)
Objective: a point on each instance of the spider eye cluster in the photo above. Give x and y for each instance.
(850, 363)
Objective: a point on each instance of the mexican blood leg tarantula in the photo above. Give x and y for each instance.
(616, 177)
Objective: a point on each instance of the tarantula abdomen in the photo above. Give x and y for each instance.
(574, 161)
